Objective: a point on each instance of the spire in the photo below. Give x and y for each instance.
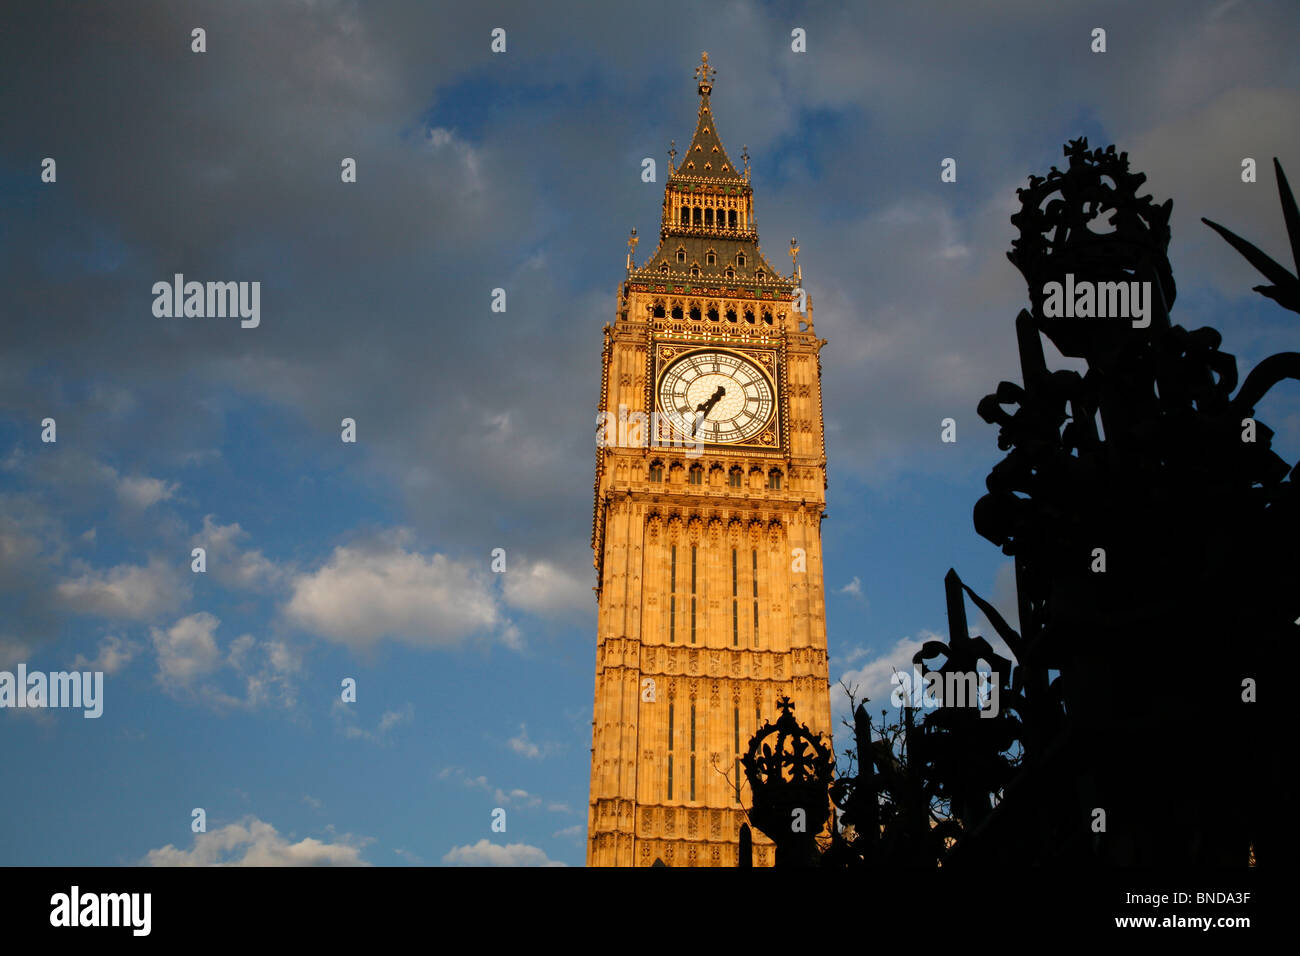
(708, 237)
(705, 157)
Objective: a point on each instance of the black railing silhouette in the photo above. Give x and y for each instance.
(1140, 717)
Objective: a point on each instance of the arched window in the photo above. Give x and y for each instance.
(695, 313)
(681, 255)
(774, 479)
(672, 638)
(708, 216)
(699, 216)
(710, 258)
(677, 312)
(664, 268)
(731, 273)
(758, 273)
(696, 475)
(749, 316)
(695, 271)
(713, 315)
(656, 471)
(735, 711)
(684, 215)
(659, 311)
(692, 794)
(740, 259)
(731, 315)
(731, 219)
(767, 317)
(735, 477)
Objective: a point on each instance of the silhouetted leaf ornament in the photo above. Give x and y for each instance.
(1153, 532)
(1285, 290)
(928, 650)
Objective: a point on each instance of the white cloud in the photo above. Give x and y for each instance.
(853, 588)
(251, 842)
(521, 745)
(187, 650)
(516, 797)
(141, 491)
(391, 718)
(114, 654)
(1005, 600)
(440, 138)
(486, 853)
(266, 669)
(525, 747)
(569, 833)
(872, 679)
(189, 654)
(282, 658)
(545, 588)
(365, 595)
(136, 491)
(346, 716)
(853, 655)
(125, 591)
(246, 570)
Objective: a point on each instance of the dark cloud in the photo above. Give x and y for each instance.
(521, 171)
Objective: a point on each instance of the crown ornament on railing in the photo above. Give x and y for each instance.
(799, 756)
(789, 769)
(1058, 238)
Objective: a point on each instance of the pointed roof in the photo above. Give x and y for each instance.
(685, 249)
(706, 157)
(726, 254)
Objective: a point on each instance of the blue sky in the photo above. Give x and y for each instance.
(520, 171)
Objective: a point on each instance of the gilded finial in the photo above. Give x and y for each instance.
(705, 73)
(794, 254)
(672, 152)
(632, 240)
(744, 154)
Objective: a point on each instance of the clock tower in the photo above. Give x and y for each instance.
(710, 492)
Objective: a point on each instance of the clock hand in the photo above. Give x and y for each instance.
(706, 407)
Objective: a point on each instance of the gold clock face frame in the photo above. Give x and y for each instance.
(718, 396)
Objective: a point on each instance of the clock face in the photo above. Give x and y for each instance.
(717, 397)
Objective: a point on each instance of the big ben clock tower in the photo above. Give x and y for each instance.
(710, 492)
